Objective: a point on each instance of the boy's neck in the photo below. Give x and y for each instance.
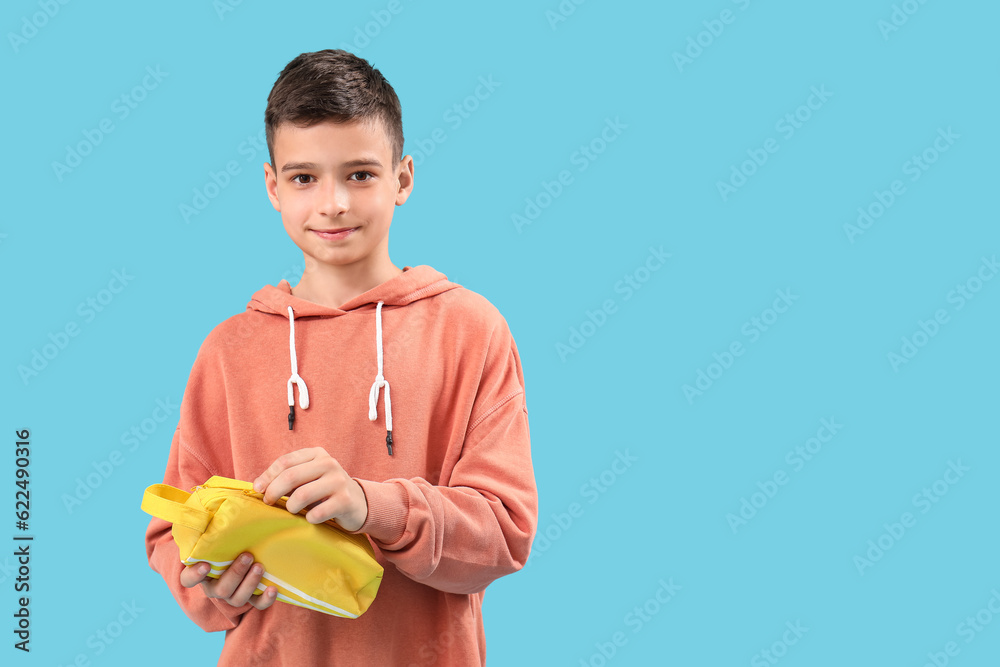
(333, 286)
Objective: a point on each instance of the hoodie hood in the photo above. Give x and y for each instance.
(413, 284)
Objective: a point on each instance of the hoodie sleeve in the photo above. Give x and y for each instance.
(461, 536)
(189, 464)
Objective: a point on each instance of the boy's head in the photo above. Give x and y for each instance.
(335, 138)
(333, 85)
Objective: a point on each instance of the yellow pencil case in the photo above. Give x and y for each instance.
(316, 566)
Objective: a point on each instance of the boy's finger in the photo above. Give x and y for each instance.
(244, 592)
(301, 485)
(265, 599)
(192, 575)
(230, 580)
(293, 478)
(281, 464)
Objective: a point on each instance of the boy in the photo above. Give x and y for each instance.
(287, 395)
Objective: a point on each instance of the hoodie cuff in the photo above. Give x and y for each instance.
(387, 511)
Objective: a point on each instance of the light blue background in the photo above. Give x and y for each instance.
(665, 516)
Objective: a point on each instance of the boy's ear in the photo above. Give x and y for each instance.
(271, 184)
(404, 179)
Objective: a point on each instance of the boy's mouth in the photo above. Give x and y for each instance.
(334, 234)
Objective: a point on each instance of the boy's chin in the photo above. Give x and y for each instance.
(331, 260)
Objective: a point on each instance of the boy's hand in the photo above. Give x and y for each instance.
(312, 478)
(235, 586)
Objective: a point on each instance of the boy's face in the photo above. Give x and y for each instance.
(333, 176)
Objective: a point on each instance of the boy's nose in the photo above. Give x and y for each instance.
(333, 200)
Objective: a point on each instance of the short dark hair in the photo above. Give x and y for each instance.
(333, 85)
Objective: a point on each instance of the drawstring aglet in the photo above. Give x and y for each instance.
(291, 416)
(388, 441)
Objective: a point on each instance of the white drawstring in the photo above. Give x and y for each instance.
(295, 378)
(380, 382)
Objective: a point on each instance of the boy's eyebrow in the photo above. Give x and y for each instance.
(350, 164)
(362, 162)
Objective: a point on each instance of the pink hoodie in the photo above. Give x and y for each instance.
(453, 507)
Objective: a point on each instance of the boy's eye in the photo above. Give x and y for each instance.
(364, 176)
(298, 176)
